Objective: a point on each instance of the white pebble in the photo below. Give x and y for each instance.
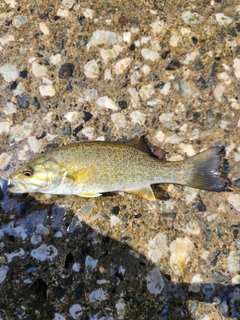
(174, 40)
(166, 88)
(121, 308)
(47, 90)
(134, 96)
(34, 144)
(4, 160)
(76, 267)
(223, 20)
(160, 136)
(174, 138)
(98, 295)
(71, 116)
(10, 108)
(138, 117)
(114, 220)
(188, 149)
(19, 20)
(218, 92)
(55, 59)
(90, 264)
(4, 127)
(165, 117)
(236, 67)
(190, 57)
(157, 26)
(190, 194)
(119, 120)
(88, 132)
(68, 3)
(236, 279)
(234, 261)
(88, 13)
(195, 134)
(127, 36)
(145, 69)
(155, 283)
(230, 148)
(146, 91)
(157, 247)
(91, 69)
(185, 31)
(102, 37)
(75, 311)
(191, 18)
(181, 250)
(58, 316)
(122, 65)
(9, 72)
(44, 252)
(108, 74)
(3, 273)
(63, 13)
(192, 227)
(6, 39)
(38, 70)
(105, 102)
(234, 199)
(236, 156)
(150, 54)
(43, 27)
(12, 3)
(195, 285)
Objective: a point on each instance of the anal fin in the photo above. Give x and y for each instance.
(144, 192)
(89, 195)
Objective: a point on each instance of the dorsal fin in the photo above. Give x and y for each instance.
(141, 143)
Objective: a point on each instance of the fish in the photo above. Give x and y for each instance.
(92, 168)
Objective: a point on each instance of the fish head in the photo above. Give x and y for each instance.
(35, 176)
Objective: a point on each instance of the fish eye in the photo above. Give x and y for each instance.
(28, 172)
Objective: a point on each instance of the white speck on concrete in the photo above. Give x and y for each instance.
(191, 18)
(106, 102)
(44, 252)
(119, 120)
(68, 3)
(18, 253)
(195, 285)
(43, 27)
(121, 308)
(47, 90)
(34, 144)
(98, 295)
(165, 117)
(90, 264)
(134, 96)
(91, 69)
(192, 227)
(12, 3)
(236, 67)
(223, 20)
(157, 26)
(6, 39)
(9, 72)
(218, 92)
(76, 267)
(4, 127)
(236, 279)
(58, 316)
(234, 200)
(127, 36)
(160, 136)
(102, 37)
(155, 283)
(188, 149)
(174, 40)
(36, 239)
(157, 247)
(114, 221)
(146, 91)
(174, 138)
(190, 194)
(138, 117)
(88, 13)
(71, 116)
(76, 311)
(88, 132)
(195, 134)
(190, 57)
(181, 250)
(122, 65)
(230, 148)
(55, 58)
(10, 108)
(234, 261)
(63, 13)
(3, 273)
(18, 21)
(4, 160)
(150, 54)
(166, 88)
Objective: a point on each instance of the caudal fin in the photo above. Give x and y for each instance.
(205, 170)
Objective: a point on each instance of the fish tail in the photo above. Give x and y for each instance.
(205, 167)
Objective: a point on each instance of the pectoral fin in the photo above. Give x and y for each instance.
(89, 195)
(145, 192)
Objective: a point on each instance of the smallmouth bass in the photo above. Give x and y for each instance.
(89, 169)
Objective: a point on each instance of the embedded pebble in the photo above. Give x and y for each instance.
(174, 40)
(223, 20)
(236, 67)
(122, 65)
(150, 54)
(160, 136)
(114, 221)
(157, 247)
(91, 69)
(195, 285)
(20, 132)
(98, 295)
(102, 37)
(188, 149)
(119, 120)
(68, 3)
(218, 92)
(190, 57)
(63, 13)
(75, 311)
(121, 308)
(18, 21)
(174, 139)
(191, 18)
(43, 27)
(66, 70)
(190, 194)
(38, 70)
(44, 252)
(23, 101)
(3, 273)
(34, 144)
(138, 117)
(106, 102)
(134, 96)
(58, 316)
(146, 91)
(166, 88)
(76, 267)
(155, 283)
(17, 253)
(6, 39)
(47, 90)
(88, 132)
(234, 199)
(90, 264)
(55, 59)
(181, 250)
(9, 72)
(71, 116)
(193, 227)
(234, 261)
(4, 160)
(10, 108)
(165, 117)
(4, 127)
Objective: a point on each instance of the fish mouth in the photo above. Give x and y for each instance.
(15, 186)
